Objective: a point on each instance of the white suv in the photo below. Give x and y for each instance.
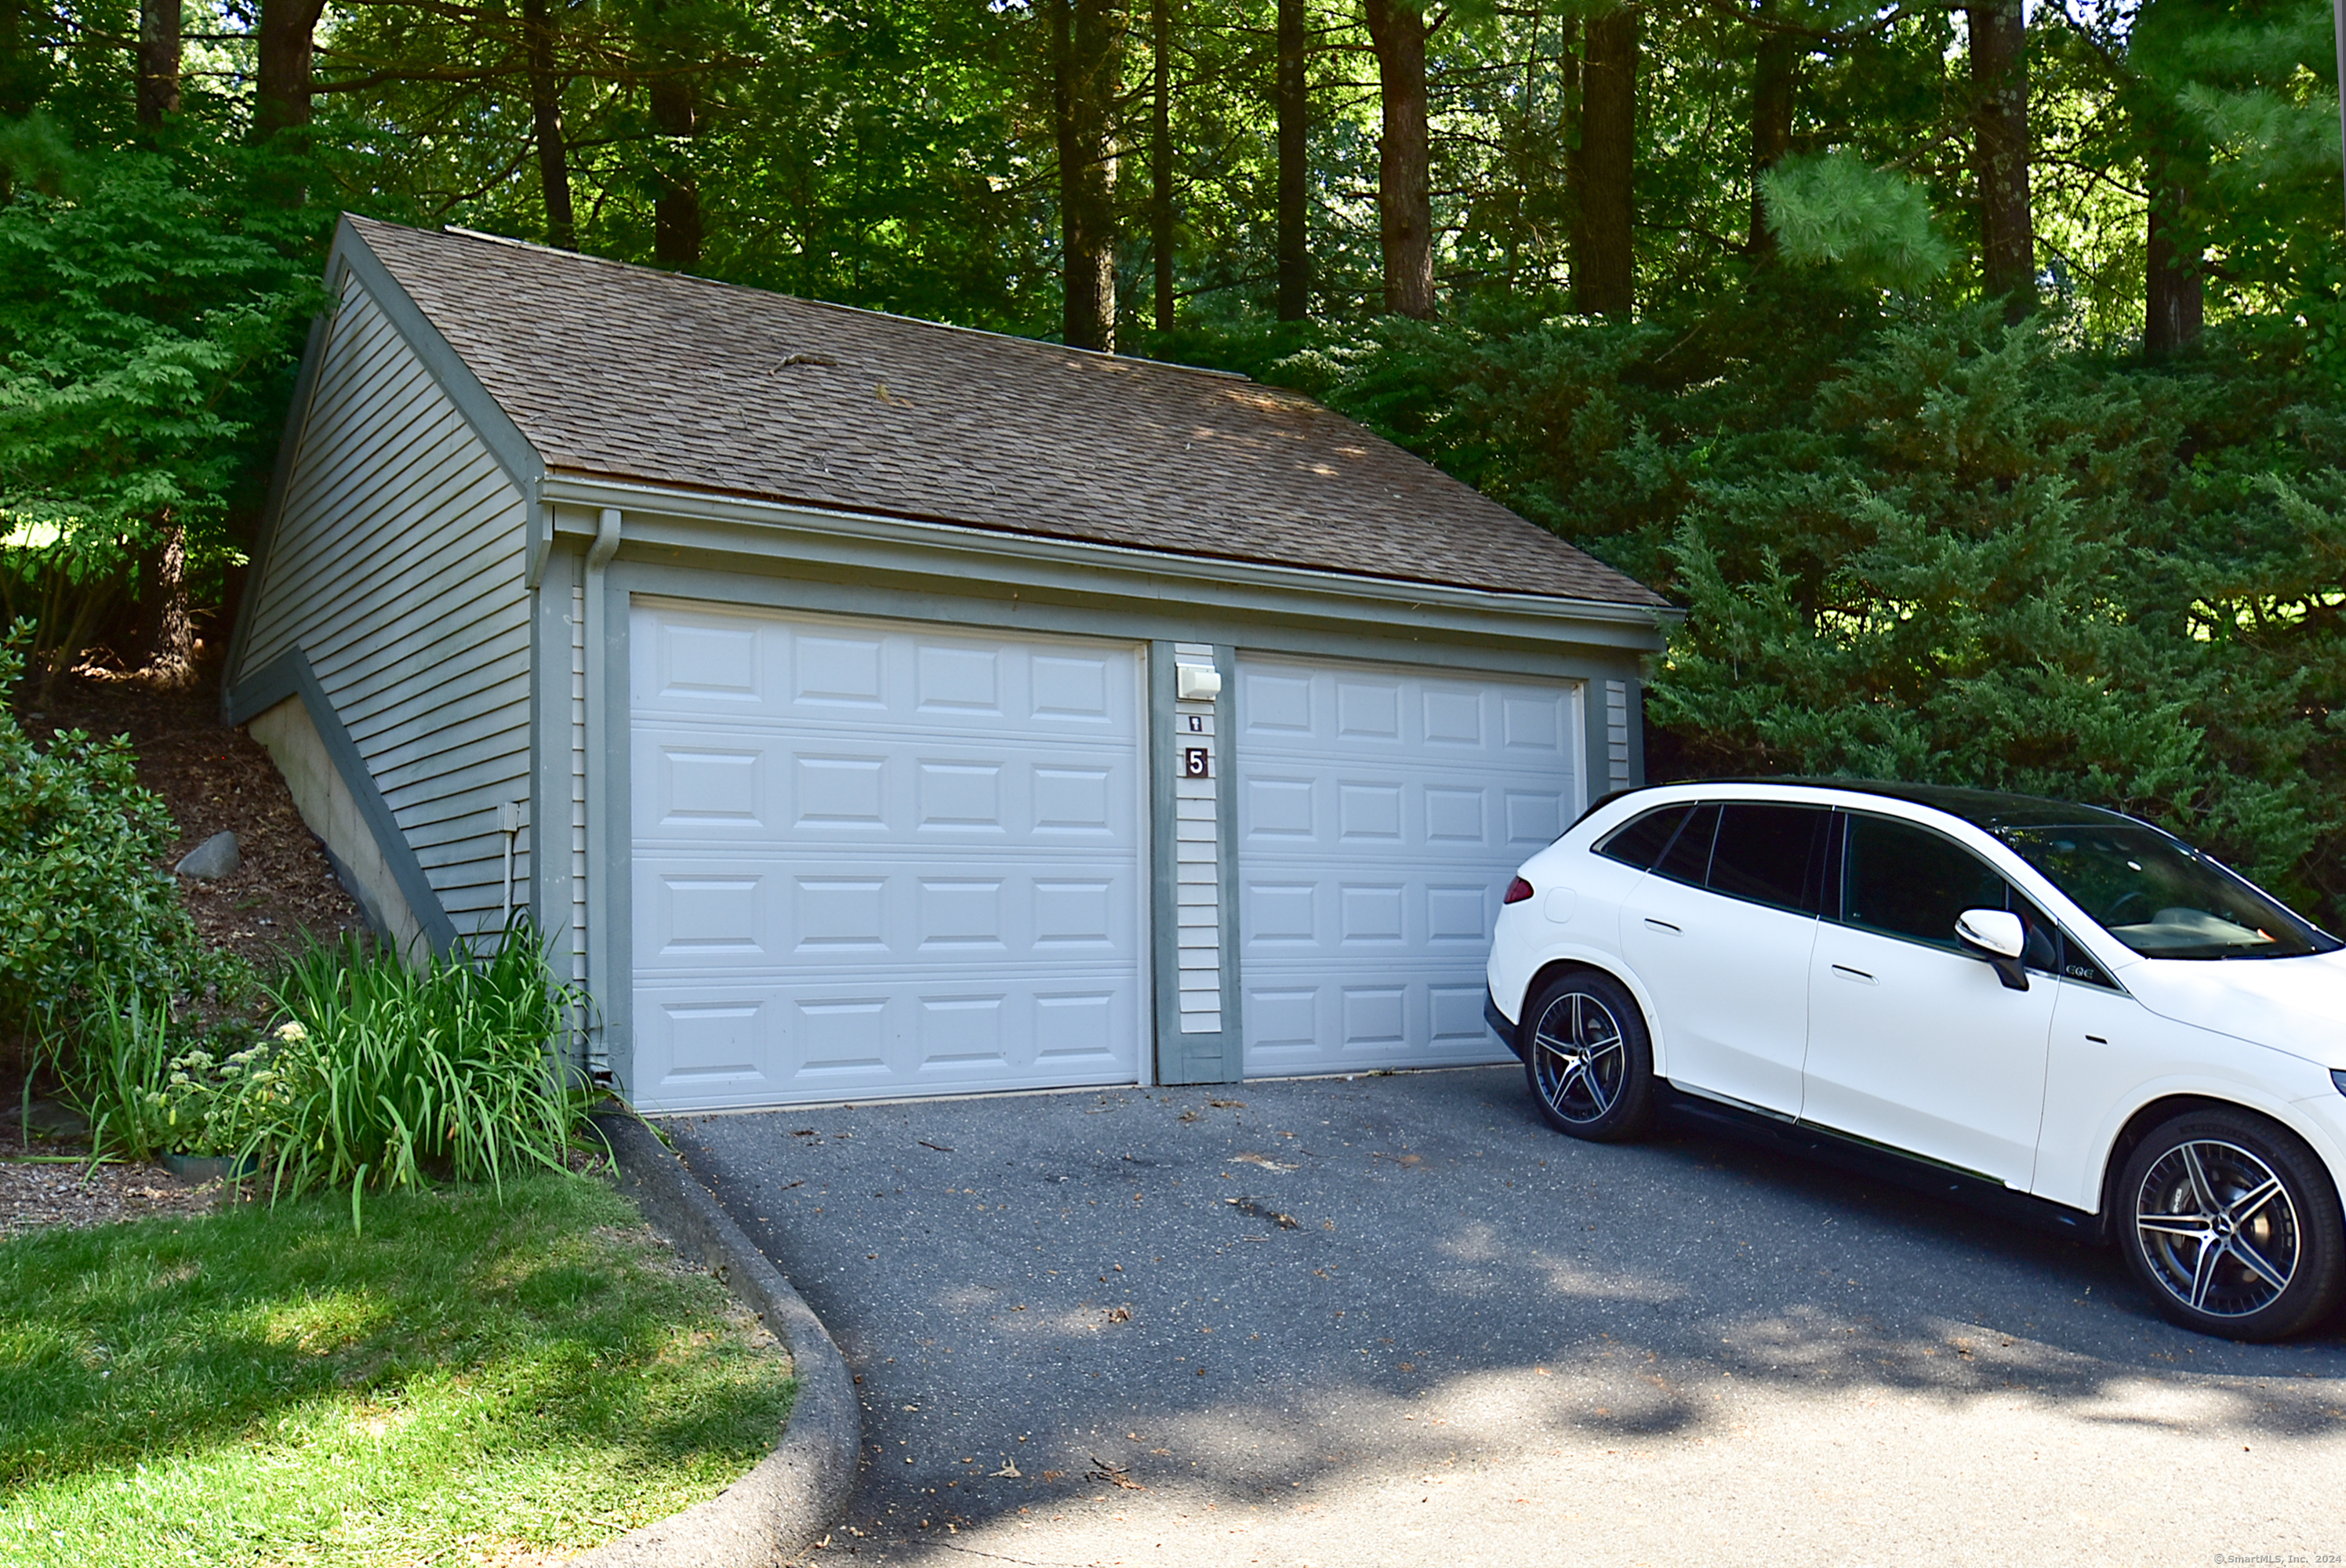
(2061, 1005)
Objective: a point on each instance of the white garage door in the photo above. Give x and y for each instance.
(874, 858)
(1380, 815)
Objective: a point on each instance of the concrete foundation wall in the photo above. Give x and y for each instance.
(327, 805)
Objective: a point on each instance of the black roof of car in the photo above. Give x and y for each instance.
(1985, 809)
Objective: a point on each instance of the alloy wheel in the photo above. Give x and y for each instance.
(2217, 1228)
(1578, 1058)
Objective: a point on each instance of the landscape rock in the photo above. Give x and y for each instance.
(213, 858)
(52, 1120)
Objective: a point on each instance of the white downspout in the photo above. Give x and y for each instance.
(599, 898)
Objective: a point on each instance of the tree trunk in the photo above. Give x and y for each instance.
(676, 209)
(2000, 154)
(545, 119)
(170, 632)
(1087, 33)
(1161, 197)
(1603, 265)
(27, 63)
(159, 60)
(1773, 72)
(1294, 169)
(282, 85)
(2176, 291)
(1571, 126)
(1404, 162)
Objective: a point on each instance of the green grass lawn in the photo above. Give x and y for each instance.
(462, 1382)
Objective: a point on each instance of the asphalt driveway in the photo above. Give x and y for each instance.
(1396, 1321)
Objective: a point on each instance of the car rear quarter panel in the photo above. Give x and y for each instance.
(1529, 938)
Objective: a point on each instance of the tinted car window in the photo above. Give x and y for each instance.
(2161, 897)
(1688, 859)
(1908, 881)
(1641, 844)
(1767, 854)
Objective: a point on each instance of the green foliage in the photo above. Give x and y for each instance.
(1936, 548)
(1832, 209)
(146, 1092)
(386, 1074)
(84, 911)
(1921, 545)
(376, 1075)
(146, 320)
(469, 1376)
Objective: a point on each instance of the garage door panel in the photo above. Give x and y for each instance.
(833, 670)
(1335, 913)
(1368, 712)
(1296, 1024)
(874, 860)
(1380, 816)
(1454, 717)
(1077, 691)
(1535, 725)
(720, 915)
(1074, 801)
(917, 1034)
(716, 664)
(706, 661)
(746, 784)
(1535, 820)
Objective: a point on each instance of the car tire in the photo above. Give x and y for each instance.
(2232, 1225)
(1587, 1057)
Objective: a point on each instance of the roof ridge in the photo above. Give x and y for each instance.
(459, 229)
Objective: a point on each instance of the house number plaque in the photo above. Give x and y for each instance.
(1196, 762)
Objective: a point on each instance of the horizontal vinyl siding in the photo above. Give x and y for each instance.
(396, 566)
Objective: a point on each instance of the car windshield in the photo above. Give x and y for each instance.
(2160, 896)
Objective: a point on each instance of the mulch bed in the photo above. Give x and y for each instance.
(36, 1195)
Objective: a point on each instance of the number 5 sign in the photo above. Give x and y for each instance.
(1196, 762)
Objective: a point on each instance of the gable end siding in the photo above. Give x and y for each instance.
(395, 564)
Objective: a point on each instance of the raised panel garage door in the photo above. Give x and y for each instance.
(873, 859)
(1380, 815)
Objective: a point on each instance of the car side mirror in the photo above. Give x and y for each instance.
(1999, 937)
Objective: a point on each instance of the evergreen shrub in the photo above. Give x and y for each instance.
(1916, 542)
(85, 909)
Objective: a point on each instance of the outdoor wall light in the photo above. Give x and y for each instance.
(1197, 682)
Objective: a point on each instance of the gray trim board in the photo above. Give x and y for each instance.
(495, 428)
(611, 882)
(1595, 740)
(1226, 814)
(1100, 612)
(549, 758)
(808, 539)
(1186, 1058)
(1637, 732)
(280, 475)
(1172, 1047)
(289, 675)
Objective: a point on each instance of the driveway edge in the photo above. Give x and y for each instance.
(799, 1491)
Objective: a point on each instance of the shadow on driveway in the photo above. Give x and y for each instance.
(1119, 1320)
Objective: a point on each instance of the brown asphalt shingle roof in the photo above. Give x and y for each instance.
(628, 373)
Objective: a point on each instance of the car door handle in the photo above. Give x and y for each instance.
(1846, 973)
(1664, 925)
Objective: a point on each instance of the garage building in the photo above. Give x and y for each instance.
(871, 708)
